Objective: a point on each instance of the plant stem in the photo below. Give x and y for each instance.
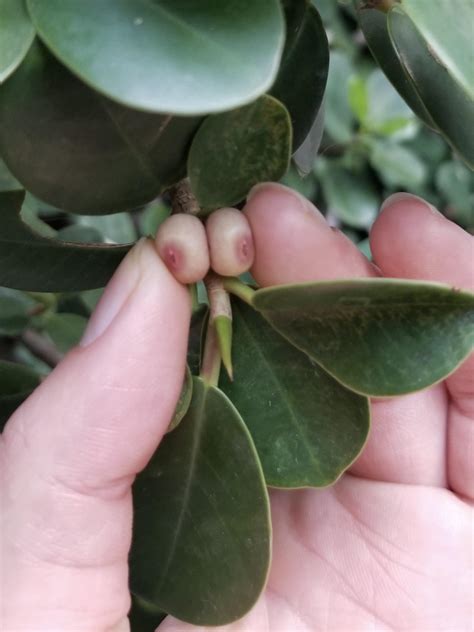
(211, 361)
(237, 288)
(221, 317)
(182, 198)
(41, 347)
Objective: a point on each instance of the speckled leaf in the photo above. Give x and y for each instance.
(79, 151)
(379, 337)
(450, 106)
(16, 36)
(306, 426)
(31, 262)
(201, 542)
(16, 383)
(303, 73)
(235, 150)
(167, 56)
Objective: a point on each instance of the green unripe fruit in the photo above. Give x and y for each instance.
(182, 244)
(230, 242)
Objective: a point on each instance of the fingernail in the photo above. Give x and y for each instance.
(119, 289)
(282, 190)
(395, 198)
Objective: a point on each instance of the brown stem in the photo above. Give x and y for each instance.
(182, 198)
(41, 347)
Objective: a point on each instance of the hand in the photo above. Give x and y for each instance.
(387, 547)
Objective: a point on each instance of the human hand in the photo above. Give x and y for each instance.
(387, 547)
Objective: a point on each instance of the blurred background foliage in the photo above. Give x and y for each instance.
(372, 146)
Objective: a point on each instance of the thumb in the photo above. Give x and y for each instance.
(71, 451)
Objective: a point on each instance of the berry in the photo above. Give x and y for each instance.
(230, 242)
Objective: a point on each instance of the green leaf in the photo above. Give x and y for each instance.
(153, 215)
(456, 183)
(375, 28)
(201, 543)
(306, 153)
(16, 36)
(449, 105)
(303, 73)
(167, 56)
(306, 186)
(117, 228)
(184, 401)
(307, 428)
(396, 165)
(358, 97)
(65, 330)
(143, 617)
(80, 234)
(448, 28)
(7, 181)
(235, 150)
(31, 262)
(79, 151)
(16, 383)
(15, 311)
(350, 196)
(379, 337)
(387, 112)
(339, 120)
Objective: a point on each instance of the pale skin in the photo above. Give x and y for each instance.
(389, 547)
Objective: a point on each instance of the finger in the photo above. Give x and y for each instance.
(294, 243)
(413, 240)
(70, 453)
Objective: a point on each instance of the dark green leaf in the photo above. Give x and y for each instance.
(143, 617)
(34, 263)
(235, 150)
(167, 56)
(16, 36)
(447, 26)
(7, 181)
(201, 544)
(374, 26)
(78, 150)
(378, 337)
(303, 73)
(16, 383)
(450, 106)
(307, 427)
(65, 330)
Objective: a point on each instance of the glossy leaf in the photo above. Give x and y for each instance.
(167, 56)
(65, 330)
(377, 336)
(350, 196)
(201, 543)
(303, 73)
(447, 26)
(79, 151)
(235, 150)
(449, 105)
(306, 153)
(184, 401)
(307, 427)
(16, 36)
(375, 28)
(16, 383)
(31, 262)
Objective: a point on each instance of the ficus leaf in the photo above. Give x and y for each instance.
(16, 35)
(201, 543)
(143, 617)
(306, 426)
(450, 106)
(31, 262)
(379, 337)
(82, 152)
(235, 150)
(167, 56)
(304, 67)
(16, 383)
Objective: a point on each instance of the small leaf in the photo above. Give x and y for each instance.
(233, 151)
(16, 383)
(15, 311)
(31, 262)
(350, 196)
(223, 327)
(379, 337)
(358, 97)
(339, 120)
(65, 330)
(201, 543)
(303, 73)
(449, 105)
(307, 428)
(79, 151)
(184, 401)
(16, 36)
(396, 165)
(167, 56)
